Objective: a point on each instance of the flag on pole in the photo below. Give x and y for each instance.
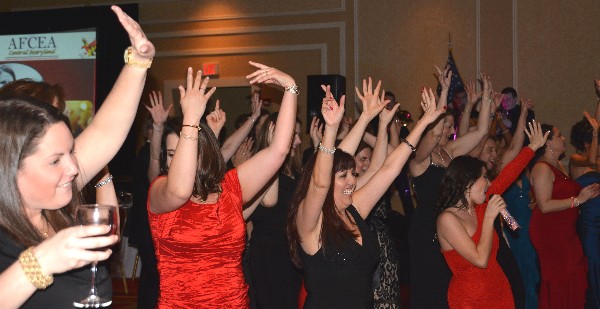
(456, 83)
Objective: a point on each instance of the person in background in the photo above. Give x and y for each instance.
(195, 210)
(552, 227)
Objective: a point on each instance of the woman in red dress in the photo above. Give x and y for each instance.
(195, 211)
(552, 227)
(465, 227)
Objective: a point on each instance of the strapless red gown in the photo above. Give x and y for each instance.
(199, 251)
(554, 237)
(474, 287)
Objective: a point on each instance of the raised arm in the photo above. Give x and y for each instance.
(310, 209)
(365, 198)
(234, 141)
(519, 138)
(258, 170)
(159, 116)
(111, 124)
(469, 141)
(454, 235)
(380, 150)
(171, 192)
(372, 103)
(433, 135)
(472, 98)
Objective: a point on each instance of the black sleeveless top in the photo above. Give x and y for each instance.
(429, 273)
(342, 277)
(68, 287)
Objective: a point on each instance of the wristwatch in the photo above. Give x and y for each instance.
(128, 58)
(293, 89)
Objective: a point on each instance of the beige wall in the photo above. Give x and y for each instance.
(547, 49)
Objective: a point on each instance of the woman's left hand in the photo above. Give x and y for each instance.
(216, 119)
(269, 75)
(143, 48)
(332, 112)
(537, 139)
(432, 109)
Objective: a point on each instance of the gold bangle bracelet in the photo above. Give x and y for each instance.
(33, 271)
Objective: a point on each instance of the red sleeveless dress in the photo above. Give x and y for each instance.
(562, 262)
(199, 251)
(474, 287)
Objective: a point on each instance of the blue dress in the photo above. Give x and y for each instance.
(589, 227)
(517, 203)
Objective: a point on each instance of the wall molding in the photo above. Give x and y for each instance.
(322, 48)
(340, 26)
(341, 7)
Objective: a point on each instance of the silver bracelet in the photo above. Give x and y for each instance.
(326, 150)
(104, 182)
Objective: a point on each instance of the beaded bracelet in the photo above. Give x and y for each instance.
(33, 271)
(409, 144)
(104, 182)
(488, 99)
(326, 150)
(187, 136)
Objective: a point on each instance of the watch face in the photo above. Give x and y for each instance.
(127, 54)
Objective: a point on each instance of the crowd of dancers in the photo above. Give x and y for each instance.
(243, 224)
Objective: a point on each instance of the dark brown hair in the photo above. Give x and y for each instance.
(23, 123)
(40, 91)
(333, 229)
(211, 165)
(291, 165)
(460, 175)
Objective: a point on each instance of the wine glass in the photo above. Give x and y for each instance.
(96, 214)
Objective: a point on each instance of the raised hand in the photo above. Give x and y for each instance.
(526, 104)
(372, 101)
(143, 48)
(243, 153)
(216, 119)
(593, 122)
(256, 105)
(472, 94)
(332, 112)
(444, 77)
(432, 110)
(487, 86)
(386, 115)
(316, 131)
(73, 248)
(268, 75)
(194, 97)
(537, 139)
(157, 110)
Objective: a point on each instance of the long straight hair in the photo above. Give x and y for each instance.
(291, 165)
(333, 230)
(23, 124)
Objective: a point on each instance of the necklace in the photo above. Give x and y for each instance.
(46, 229)
(440, 155)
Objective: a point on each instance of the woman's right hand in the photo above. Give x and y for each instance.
(71, 248)
(316, 131)
(331, 110)
(372, 101)
(588, 192)
(432, 110)
(494, 206)
(194, 97)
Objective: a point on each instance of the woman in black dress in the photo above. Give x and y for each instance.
(326, 228)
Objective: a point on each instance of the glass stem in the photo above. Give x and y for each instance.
(94, 269)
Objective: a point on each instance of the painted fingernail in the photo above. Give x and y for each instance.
(445, 107)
